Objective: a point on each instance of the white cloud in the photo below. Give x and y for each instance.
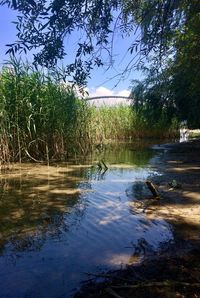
(103, 91)
(123, 93)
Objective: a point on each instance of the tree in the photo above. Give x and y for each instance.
(43, 25)
(154, 96)
(175, 87)
(165, 34)
(186, 69)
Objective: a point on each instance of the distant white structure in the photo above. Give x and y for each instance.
(109, 100)
(184, 131)
(102, 96)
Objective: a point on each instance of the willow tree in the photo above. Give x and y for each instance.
(45, 25)
(173, 79)
(186, 68)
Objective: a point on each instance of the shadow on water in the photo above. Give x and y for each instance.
(61, 221)
(37, 198)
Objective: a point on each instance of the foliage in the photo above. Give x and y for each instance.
(44, 25)
(165, 35)
(186, 70)
(42, 119)
(160, 29)
(159, 21)
(175, 86)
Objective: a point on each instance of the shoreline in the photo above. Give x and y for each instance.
(179, 188)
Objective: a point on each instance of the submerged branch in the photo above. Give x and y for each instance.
(153, 190)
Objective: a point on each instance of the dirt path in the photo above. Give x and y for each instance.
(175, 272)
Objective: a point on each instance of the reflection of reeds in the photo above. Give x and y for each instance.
(38, 202)
(42, 119)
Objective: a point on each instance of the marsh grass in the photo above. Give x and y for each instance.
(41, 119)
(123, 122)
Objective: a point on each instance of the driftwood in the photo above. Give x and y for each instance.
(153, 190)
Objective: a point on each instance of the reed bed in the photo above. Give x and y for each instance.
(123, 122)
(41, 118)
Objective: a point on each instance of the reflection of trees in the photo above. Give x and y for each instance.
(34, 209)
(136, 154)
(36, 205)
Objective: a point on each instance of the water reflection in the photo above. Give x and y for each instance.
(58, 222)
(37, 199)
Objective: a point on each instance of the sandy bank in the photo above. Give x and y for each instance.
(179, 187)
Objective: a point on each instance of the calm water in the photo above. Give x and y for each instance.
(60, 222)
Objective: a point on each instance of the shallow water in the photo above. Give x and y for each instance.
(60, 222)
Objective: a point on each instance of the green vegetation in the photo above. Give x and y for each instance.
(126, 122)
(154, 26)
(165, 37)
(42, 119)
(172, 79)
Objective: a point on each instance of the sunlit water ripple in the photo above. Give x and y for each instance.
(61, 222)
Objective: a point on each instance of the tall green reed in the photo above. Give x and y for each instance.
(42, 119)
(123, 122)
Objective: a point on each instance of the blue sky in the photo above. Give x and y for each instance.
(101, 81)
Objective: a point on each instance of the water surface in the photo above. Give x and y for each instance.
(60, 222)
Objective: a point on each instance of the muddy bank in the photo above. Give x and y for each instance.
(175, 270)
(179, 187)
